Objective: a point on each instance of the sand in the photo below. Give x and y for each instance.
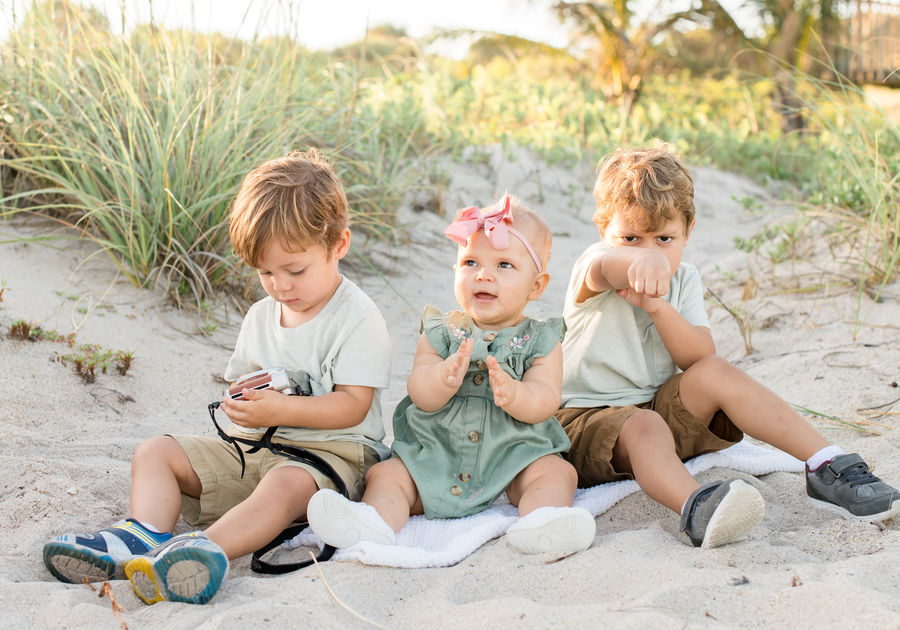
(67, 445)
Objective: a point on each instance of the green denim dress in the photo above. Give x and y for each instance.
(465, 454)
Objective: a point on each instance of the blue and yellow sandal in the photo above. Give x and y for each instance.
(101, 556)
(188, 568)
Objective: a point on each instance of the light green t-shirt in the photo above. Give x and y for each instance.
(612, 354)
(346, 343)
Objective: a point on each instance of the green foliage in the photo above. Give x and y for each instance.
(142, 143)
(753, 243)
(859, 172)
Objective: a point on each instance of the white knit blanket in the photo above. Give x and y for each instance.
(445, 542)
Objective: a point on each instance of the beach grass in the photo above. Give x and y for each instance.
(140, 141)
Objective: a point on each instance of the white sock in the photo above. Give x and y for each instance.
(825, 455)
(151, 527)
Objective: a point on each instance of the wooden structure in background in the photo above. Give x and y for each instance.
(869, 48)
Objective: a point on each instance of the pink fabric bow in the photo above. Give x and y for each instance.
(495, 223)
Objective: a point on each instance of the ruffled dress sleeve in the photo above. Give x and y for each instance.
(445, 331)
(530, 340)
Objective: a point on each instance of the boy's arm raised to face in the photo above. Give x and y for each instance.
(644, 270)
(342, 408)
(641, 277)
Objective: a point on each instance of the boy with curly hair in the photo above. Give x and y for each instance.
(643, 387)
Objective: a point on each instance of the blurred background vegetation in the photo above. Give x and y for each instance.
(141, 140)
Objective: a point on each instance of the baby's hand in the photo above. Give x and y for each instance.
(454, 367)
(650, 274)
(502, 384)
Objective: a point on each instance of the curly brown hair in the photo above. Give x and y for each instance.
(297, 199)
(650, 186)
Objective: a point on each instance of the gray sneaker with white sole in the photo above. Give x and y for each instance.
(846, 486)
(722, 512)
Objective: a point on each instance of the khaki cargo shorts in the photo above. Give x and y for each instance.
(219, 469)
(594, 432)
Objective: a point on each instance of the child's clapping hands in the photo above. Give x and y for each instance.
(453, 368)
(502, 384)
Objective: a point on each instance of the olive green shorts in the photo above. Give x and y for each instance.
(219, 469)
(594, 432)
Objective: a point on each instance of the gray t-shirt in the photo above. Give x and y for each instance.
(346, 343)
(612, 354)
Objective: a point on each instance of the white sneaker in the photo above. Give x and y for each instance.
(559, 529)
(341, 523)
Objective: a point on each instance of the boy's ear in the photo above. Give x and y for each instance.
(343, 245)
(690, 228)
(540, 283)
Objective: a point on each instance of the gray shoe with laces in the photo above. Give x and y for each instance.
(846, 486)
(722, 512)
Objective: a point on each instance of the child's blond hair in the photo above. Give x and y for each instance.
(533, 226)
(297, 199)
(649, 186)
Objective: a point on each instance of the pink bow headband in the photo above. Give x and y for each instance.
(496, 225)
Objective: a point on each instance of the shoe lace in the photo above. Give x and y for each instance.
(858, 474)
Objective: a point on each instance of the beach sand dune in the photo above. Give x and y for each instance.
(67, 445)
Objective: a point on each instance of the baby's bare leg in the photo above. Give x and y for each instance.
(278, 500)
(160, 473)
(547, 481)
(646, 448)
(390, 489)
(713, 383)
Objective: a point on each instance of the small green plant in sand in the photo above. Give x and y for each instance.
(753, 243)
(93, 358)
(787, 240)
(88, 359)
(2, 287)
(24, 330)
(753, 205)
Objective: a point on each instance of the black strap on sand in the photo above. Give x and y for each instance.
(257, 564)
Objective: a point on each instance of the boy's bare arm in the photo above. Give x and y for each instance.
(685, 342)
(342, 408)
(644, 270)
(434, 379)
(537, 396)
(641, 277)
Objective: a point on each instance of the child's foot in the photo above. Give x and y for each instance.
(559, 529)
(188, 568)
(341, 523)
(847, 487)
(721, 512)
(99, 556)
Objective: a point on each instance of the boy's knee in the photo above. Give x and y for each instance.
(291, 480)
(711, 366)
(159, 447)
(642, 423)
